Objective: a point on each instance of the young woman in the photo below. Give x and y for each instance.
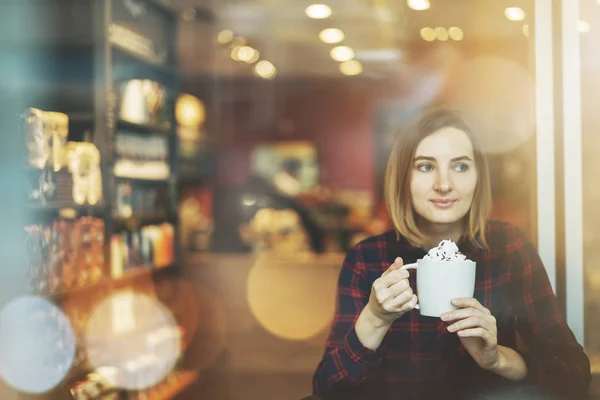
(509, 338)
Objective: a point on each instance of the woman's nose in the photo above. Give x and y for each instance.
(442, 183)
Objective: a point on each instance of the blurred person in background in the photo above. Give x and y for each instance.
(438, 187)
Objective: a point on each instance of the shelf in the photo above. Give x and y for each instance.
(57, 206)
(129, 65)
(142, 219)
(144, 128)
(171, 387)
(142, 180)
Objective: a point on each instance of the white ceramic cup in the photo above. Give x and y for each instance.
(439, 282)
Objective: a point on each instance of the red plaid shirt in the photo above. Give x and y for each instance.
(418, 356)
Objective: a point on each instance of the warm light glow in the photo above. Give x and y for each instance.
(351, 67)
(525, 30)
(254, 58)
(342, 53)
(235, 53)
(419, 5)
(225, 36)
(246, 54)
(189, 15)
(189, 111)
(265, 69)
(428, 34)
(441, 33)
(514, 13)
(331, 35)
(291, 296)
(318, 11)
(456, 33)
(583, 26)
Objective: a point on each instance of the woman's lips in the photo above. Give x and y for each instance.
(443, 203)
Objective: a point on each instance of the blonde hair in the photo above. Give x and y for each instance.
(399, 172)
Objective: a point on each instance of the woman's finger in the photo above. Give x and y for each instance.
(464, 302)
(480, 333)
(475, 321)
(460, 314)
(394, 304)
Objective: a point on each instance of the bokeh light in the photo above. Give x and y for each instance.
(318, 11)
(441, 34)
(351, 67)
(427, 34)
(342, 53)
(37, 344)
(189, 110)
(456, 33)
(265, 69)
(137, 336)
(331, 35)
(419, 5)
(514, 13)
(292, 298)
(225, 36)
(583, 26)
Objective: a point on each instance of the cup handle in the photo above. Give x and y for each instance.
(411, 266)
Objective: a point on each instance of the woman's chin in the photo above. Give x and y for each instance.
(445, 217)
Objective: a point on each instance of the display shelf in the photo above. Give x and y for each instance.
(164, 129)
(142, 219)
(57, 206)
(142, 180)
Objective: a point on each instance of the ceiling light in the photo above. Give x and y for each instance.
(265, 69)
(254, 58)
(246, 53)
(525, 30)
(456, 33)
(331, 35)
(419, 5)
(428, 34)
(235, 53)
(342, 53)
(189, 14)
(318, 11)
(583, 26)
(225, 36)
(514, 14)
(351, 67)
(441, 34)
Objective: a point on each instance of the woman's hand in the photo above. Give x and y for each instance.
(476, 328)
(391, 295)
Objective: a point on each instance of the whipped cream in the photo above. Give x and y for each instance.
(447, 250)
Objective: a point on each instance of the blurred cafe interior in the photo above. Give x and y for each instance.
(183, 178)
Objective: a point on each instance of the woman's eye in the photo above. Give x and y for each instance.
(425, 167)
(461, 167)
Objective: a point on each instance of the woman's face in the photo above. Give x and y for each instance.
(444, 176)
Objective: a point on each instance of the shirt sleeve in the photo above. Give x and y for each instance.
(554, 358)
(346, 362)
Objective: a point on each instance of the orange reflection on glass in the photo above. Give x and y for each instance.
(497, 95)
